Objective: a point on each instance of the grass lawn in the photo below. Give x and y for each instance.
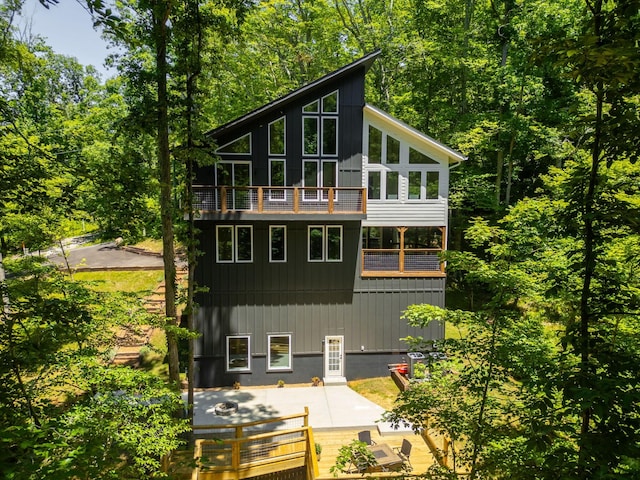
(151, 244)
(139, 281)
(380, 390)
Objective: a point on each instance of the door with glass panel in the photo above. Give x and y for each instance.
(334, 356)
(237, 175)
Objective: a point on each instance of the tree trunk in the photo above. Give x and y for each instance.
(468, 13)
(161, 15)
(499, 168)
(193, 71)
(3, 286)
(589, 266)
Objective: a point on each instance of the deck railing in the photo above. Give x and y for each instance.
(264, 199)
(402, 262)
(234, 454)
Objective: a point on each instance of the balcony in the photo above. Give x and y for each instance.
(210, 199)
(423, 262)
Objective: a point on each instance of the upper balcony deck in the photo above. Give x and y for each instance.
(212, 201)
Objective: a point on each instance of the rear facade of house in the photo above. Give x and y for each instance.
(320, 223)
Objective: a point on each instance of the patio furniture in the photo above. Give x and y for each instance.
(387, 459)
(404, 452)
(365, 436)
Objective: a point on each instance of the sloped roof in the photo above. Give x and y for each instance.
(418, 136)
(364, 62)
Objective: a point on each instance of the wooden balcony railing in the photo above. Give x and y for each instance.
(279, 200)
(419, 262)
(238, 452)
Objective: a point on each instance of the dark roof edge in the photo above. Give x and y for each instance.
(365, 62)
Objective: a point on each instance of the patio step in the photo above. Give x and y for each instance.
(330, 381)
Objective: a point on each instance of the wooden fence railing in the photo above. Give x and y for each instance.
(264, 447)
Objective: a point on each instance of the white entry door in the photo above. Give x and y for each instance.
(334, 356)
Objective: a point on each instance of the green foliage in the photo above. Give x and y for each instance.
(355, 457)
(512, 395)
(420, 371)
(67, 413)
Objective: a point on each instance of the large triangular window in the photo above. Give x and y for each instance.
(239, 146)
(416, 157)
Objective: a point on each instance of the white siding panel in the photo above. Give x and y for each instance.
(383, 214)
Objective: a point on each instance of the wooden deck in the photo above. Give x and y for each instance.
(331, 441)
(240, 453)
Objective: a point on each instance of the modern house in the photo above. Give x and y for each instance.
(320, 223)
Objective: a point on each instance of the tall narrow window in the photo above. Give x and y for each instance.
(433, 185)
(373, 186)
(316, 243)
(310, 180)
(329, 136)
(244, 243)
(415, 185)
(393, 150)
(277, 178)
(334, 243)
(224, 244)
(310, 136)
(238, 353)
(329, 174)
(375, 145)
(278, 243)
(392, 185)
(277, 137)
(279, 352)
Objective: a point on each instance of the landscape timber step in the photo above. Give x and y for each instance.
(131, 359)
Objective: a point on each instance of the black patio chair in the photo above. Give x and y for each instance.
(365, 436)
(404, 452)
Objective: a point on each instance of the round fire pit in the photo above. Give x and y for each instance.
(225, 408)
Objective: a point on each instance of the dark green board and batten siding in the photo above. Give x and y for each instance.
(308, 300)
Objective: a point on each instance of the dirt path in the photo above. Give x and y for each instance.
(131, 339)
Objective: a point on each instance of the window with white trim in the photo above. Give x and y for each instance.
(238, 354)
(235, 174)
(319, 173)
(277, 178)
(321, 124)
(277, 137)
(224, 243)
(239, 146)
(392, 183)
(373, 184)
(277, 243)
(325, 243)
(234, 243)
(397, 171)
(433, 185)
(279, 353)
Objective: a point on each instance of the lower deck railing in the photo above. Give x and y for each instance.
(236, 451)
(390, 262)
